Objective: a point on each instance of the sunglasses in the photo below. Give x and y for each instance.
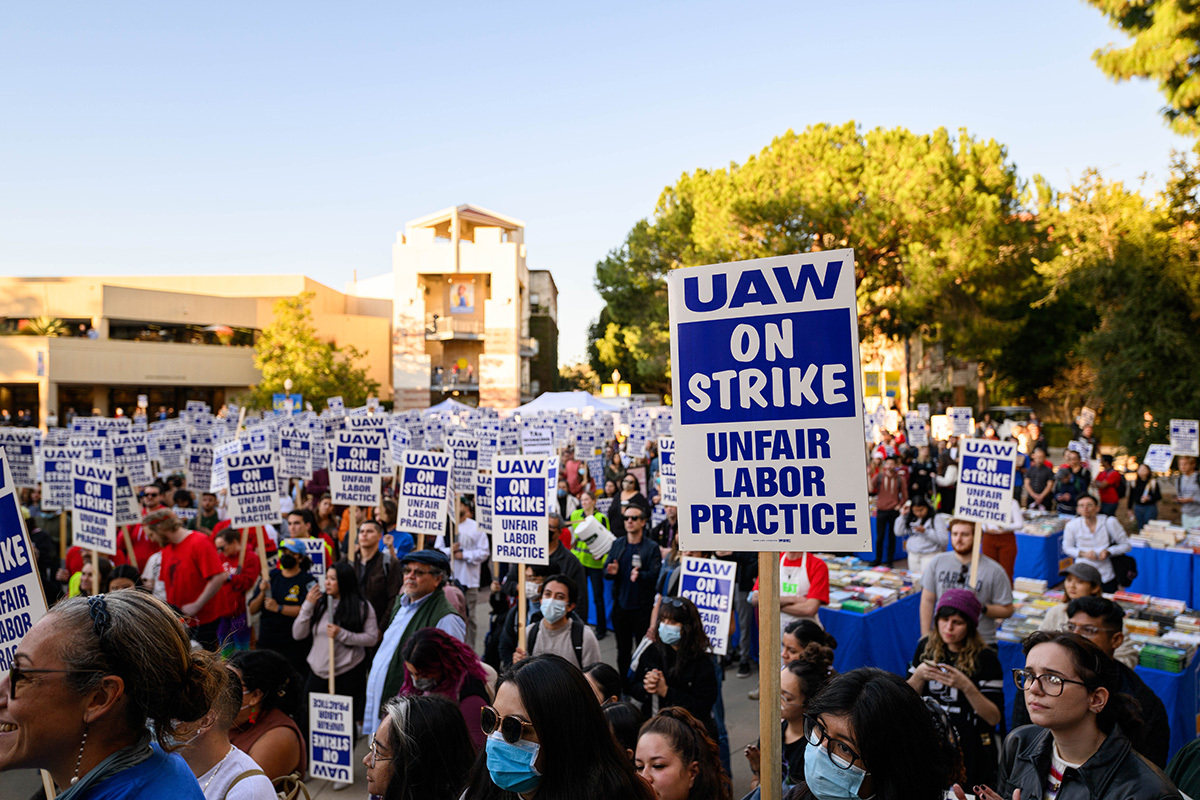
(510, 727)
(16, 674)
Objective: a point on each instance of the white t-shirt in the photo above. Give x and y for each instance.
(217, 780)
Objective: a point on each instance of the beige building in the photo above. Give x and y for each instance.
(459, 288)
(173, 338)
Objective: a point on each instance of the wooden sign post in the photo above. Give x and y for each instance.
(770, 733)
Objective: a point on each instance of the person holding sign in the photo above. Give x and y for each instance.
(421, 604)
(951, 570)
(677, 667)
(1093, 538)
(342, 614)
(1144, 497)
(593, 567)
(86, 680)
(192, 573)
(279, 598)
(633, 566)
(559, 630)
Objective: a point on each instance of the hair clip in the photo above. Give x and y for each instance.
(98, 609)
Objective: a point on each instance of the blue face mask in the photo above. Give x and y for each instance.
(669, 634)
(554, 610)
(511, 765)
(826, 781)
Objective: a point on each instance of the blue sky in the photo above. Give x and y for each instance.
(159, 138)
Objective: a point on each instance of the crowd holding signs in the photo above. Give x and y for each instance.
(680, 530)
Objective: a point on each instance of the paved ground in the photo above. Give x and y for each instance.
(741, 719)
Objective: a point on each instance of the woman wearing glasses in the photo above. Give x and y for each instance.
(870, 735)
(546, 735)
(1075, 747)
(85, 681)
(677, 669)
(676, 756)
(420, 752)
(953, 666)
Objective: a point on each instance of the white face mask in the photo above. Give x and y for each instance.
(533, 591)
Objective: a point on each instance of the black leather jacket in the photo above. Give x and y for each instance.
(1115, 771)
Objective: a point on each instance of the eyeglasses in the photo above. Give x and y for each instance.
(16, 674)
(840, 753)
(415, 572)
(510, 727)
(632, 517)
(374, 751)
(673, 602)
(1050, 684)
(1085, 630)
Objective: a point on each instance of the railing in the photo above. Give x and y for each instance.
(450, 327)
(461, 379)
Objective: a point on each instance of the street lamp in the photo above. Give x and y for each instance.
(616, 376)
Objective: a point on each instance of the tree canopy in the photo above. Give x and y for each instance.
(943, 242)
(1165, 49)
(290, 348)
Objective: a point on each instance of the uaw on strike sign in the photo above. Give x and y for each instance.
(985, 481)
(768, 427)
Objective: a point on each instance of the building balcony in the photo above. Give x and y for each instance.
(446, 328)
(527, 347)
(441, 380)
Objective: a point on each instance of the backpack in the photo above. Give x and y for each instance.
(288, 787)
(1122, 487)
(576, 639)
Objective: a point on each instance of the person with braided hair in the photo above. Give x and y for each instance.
(98, 693)
(678, 758)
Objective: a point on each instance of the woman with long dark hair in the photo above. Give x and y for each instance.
(437, 663)
(630, 495)
(420, 752)
(953, 666)
(265, 729)
(678, 758)
(677, 670)
(340, 613)
(279, 598)
(546, 734)
(870, 735)
(1076, 747)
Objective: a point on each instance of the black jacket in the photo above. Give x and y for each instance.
(694, 687)
(1114, 771)
(1152, 739)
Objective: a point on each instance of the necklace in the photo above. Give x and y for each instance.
(215, 770)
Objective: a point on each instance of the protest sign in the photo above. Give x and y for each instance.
(1185, 440)
(316, 549)
(354, 464)
(399, 439)
(1083, 448)
(483, 501)
(961, 421)
(914, 426)
(709, 583)
(131, 451)
(331, 737)
(923, 410)
(199, 465)
(1086, 417)
(21, 447)
(985, 481)
(939, 427)
(374, 423)
(95, 448)
(295, 452)
(253, 489)
(94, 507)
(519, 528)
(24, 602)
(768, 403)
(668, 492)
(537, 441)
(128, 510)
(57, 483)
(424, 498)
(465, 450)
(1158, 458)
(337, 406)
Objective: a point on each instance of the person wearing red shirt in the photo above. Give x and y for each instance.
(233, 630)
(192, 573)
(143, 545)
(803, 588)
(1108, 479)
(251, 537)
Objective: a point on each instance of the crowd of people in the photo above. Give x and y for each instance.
(187, 627)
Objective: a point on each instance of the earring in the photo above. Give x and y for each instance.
(79, 758)
(253, 714)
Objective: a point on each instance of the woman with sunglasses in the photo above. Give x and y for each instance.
(420, 752)
(437, 663)
(677, 668)
(676, 756)
(870, 735)
(547, 737)
(630, 496)
(1076, 747)
(88, 684)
